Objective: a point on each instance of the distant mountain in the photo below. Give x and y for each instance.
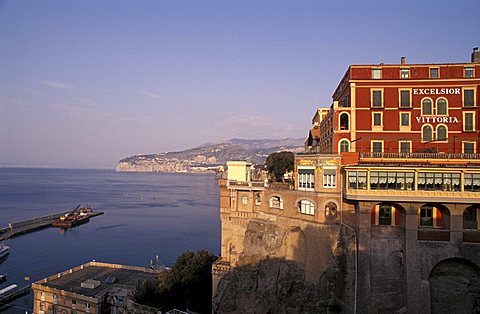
(209, 157)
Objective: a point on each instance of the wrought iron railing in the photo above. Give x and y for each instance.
(419, 155)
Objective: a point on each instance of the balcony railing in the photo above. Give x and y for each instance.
(423, 156)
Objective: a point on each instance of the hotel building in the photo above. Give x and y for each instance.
(392, 168)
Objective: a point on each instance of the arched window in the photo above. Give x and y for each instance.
(470, 218)
(442, 133)
(258, 199)
(427, 107)
(306, 207)
(276, 202)
(344, 121)
(442, 107)
(427, 133)
(344, 146)
(330, 210)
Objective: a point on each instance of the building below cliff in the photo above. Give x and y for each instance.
(92, 288)
(383, 215)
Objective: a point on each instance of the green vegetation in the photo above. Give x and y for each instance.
(188, 285)
(278, 164)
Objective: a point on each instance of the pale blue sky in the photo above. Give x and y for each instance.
(86, 83)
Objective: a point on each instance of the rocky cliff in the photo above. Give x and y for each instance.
(208, 157)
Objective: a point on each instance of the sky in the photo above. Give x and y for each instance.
(84, 84)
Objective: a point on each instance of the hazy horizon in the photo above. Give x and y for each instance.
(84, 84)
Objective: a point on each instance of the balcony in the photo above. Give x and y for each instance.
(250, 185)
(419, 158)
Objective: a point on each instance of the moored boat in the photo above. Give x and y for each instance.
(4, 251)
(74, 218)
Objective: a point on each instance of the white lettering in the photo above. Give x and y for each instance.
(445, 120)
(455, 120)
(418, 119)
(437, 91)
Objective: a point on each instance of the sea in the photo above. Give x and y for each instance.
(145, 214)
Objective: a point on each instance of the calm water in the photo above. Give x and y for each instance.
(145, 214)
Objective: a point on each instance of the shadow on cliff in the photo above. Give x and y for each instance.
(286, 270)
(271, 286)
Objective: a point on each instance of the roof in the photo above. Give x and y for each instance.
(97, 278)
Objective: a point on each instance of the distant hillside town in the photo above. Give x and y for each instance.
(209, 158)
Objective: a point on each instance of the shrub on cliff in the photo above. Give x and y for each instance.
(280, 163)
(187, 285)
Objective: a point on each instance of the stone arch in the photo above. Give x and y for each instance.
(434, 215)
(331, 209)
(294, 245)
(387, 214)
(455, 287)
(470, 217)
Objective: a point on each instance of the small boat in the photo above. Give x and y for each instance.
(4, 251)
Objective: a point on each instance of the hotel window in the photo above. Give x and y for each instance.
(404, 73)
(392, 180)
(469, 72)
(468, 147)
(329, 177)
(427, 107)
(442, 108)
(468, 97)
(377, 119)
(357, 180)
(344, 121)
(469, 121)
(244, 200)
(344, 146)
(377, 98)
(306, 207)
(434, 73)
(427, 134)
(470, 218)
(405, 147)
(430, 181)
(426, 216)
(376, 74)
(405, 98)
(306, 179)
(471, 182)
(258, 199)
(404, 119)
(385, 215)
(276, 202)
(442, 133)
(377, 146)
(330, 210)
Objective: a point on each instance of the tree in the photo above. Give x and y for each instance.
(280, 163)
(188, 285)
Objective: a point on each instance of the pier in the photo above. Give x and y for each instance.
(26, 226)
(10, 296)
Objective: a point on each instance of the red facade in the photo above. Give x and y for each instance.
(405, 108)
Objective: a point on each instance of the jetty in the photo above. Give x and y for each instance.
(11, 295)
(30, 225)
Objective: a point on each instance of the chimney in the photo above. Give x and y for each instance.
(403, 60)
(475, 55)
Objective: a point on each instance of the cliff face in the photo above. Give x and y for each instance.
(208, 157)
(280, 270)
